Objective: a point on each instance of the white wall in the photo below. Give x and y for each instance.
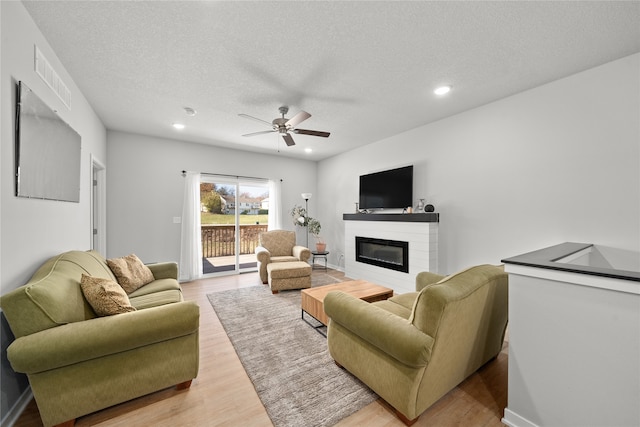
(34, 230)
(145, 188)
(557, 163)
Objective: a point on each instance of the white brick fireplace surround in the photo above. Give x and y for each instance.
(420, 230)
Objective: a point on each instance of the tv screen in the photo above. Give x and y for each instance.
(391, 189)
(47, 151)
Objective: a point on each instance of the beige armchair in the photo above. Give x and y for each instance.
(278, 246)
(414, 348)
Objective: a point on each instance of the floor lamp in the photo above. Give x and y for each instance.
(306, 197)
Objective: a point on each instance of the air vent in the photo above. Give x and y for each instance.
(51, 78)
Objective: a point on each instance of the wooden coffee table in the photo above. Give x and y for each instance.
(313, 299)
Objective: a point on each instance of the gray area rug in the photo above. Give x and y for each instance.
(286, 359)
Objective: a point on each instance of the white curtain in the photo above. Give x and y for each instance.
(275, 205)
(191, 245)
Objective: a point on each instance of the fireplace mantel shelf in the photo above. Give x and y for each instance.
(398, 217)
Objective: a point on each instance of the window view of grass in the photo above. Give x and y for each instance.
(221, 236)
(212, 218)
(219, 204)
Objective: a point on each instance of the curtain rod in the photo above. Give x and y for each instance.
(184, 173)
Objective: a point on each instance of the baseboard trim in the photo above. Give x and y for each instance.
(335, 267)
(514, 420)
(14, 413)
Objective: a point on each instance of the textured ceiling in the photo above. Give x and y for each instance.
(364, 70)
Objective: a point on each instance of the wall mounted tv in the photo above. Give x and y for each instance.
(47, 151)
(390, 189)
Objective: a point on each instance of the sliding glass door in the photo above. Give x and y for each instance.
(234, 211)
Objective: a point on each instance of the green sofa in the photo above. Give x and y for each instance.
(77, 362)
(414, 348)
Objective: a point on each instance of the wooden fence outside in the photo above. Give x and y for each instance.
(220, 240)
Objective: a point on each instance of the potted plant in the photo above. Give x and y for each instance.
(301, 219)
(314, 227)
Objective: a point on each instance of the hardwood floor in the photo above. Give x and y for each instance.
(223, 395)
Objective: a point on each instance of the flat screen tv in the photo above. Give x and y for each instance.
(390, 189)
(47, 151)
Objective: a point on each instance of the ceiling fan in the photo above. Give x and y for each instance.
(285, 126)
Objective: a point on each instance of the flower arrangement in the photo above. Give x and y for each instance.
(299, 215)
(302, 219)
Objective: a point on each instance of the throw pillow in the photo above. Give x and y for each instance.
(105, 296)
(130, 272)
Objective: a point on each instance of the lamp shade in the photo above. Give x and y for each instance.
(306, 196)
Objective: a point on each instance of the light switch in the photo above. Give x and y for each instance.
(177, 220)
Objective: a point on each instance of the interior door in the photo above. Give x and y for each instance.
(98, 207)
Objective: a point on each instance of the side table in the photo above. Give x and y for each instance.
(321, 255)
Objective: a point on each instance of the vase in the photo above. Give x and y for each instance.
(321, 247)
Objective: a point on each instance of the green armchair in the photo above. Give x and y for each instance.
(414, 348)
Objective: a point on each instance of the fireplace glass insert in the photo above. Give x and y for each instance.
(391, 254)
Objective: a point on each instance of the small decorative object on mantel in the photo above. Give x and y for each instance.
(420, 206)
(429, 208)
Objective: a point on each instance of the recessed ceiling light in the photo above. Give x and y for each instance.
(178, 126)
(308, 150)
(442, 90)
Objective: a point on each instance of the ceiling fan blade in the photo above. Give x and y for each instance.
(262, 132)
(298, 118)
(312, 132)
(246, 116)
(288, 139)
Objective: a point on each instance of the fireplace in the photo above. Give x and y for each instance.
(419, 230)
(391, 254)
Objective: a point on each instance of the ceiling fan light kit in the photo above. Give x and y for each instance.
(285, 126)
